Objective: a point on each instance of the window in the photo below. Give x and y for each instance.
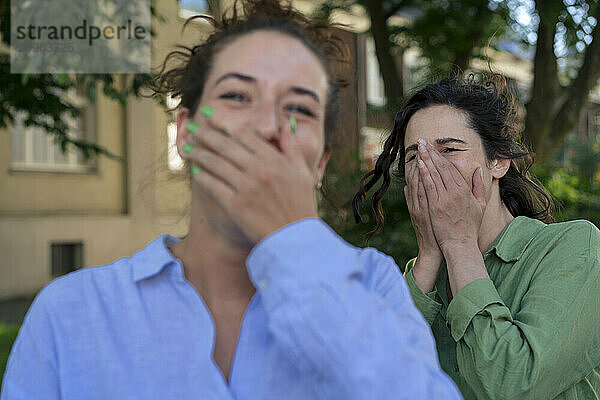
(188, 8)
(594, 125)
(175, 162)
(371, 145)
(35, 150)
(66, 257)
(375, 86)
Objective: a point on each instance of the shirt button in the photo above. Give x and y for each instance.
(262, 284)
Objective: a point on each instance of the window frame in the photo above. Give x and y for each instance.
(76, 163)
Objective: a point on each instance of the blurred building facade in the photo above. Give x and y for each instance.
(60, 212)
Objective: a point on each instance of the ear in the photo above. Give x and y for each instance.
(500, 167)
(182, 132)
(322, 165)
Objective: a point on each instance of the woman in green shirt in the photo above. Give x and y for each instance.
(513, 300)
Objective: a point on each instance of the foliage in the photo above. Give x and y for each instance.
(447, 35)
(561, 38)
(8, 334)
(397, 239)
(572, 176)
(41, 97)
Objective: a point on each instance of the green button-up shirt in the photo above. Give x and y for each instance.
(533, 330)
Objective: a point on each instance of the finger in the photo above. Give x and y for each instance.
(422, 196)
(447, 170)
(408, 200)
(261, 148)
(478, 188)
(425, 156)
(430, 188)
(213, 186)
(413, 185)
(216, 165)
(219, 141)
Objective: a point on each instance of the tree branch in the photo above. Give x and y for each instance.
(391, 78)
(577, 97)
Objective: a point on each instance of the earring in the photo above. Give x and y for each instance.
(319, 185)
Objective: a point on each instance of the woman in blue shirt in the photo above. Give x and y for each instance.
(261, 299)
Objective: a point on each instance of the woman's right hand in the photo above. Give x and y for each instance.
(430, 255)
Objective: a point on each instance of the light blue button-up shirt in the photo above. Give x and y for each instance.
(328, 321)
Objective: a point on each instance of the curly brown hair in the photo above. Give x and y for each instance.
(491, 110)
(193, 64)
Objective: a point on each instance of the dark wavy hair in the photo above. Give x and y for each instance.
(491, 110)
(193, 64)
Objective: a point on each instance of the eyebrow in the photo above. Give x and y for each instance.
(235, 75)
(442, 141)
(305, 92)
(294, 89)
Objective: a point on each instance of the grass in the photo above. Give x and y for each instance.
(8, 334)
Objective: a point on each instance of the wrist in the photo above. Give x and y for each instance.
(452, 248)
(429, 259)
(425, 271)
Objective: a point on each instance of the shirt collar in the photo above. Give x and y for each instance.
(515, 238)
(153, 258)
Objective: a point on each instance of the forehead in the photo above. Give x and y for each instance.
(438, 122)
(272, 57)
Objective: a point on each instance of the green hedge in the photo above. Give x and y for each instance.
(8, 334)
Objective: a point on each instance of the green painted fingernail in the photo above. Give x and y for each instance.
(193, 127)
(195, 170)
(187, 148)
(207, 111)
(293, 124)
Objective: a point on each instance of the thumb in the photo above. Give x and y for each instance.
(478, 188)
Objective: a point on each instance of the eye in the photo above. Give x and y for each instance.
(450, 150)
(410, 159)
(235, 96)
(296, 108)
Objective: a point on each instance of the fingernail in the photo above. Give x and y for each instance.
(422, 147)
(187, 148)
(193, 127)
(293, 124)
(422, 164)
(207, 111)
(195, 170)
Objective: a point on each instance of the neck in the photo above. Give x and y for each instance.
(495, 218)
(213, 262)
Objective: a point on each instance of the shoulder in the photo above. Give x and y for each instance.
(576, 238)
(92, 288)
(565, 251)
(74, 293)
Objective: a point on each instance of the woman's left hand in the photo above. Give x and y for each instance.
(455, 205)
(262, 187)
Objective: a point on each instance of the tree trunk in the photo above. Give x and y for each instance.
(463, 56)
(553, 112)
(392, 79)
(543, 102)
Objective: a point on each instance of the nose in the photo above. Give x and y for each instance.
(267, 123)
